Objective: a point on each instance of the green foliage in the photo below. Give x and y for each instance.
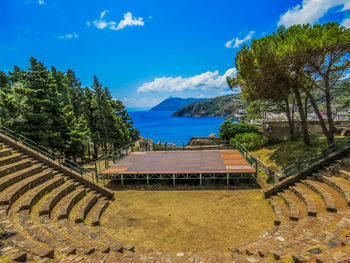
(51, 108)
(250, 140)
(292, 63)
(229, 130)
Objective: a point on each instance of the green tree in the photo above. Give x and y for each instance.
(324, 54)
(296, 60)
(51, 108)
(262, 76)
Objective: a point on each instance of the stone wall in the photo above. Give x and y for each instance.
(280, 130)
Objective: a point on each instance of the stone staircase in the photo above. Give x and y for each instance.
(48, 216)
(312, 221)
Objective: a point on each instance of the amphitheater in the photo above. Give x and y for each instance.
(50, 214)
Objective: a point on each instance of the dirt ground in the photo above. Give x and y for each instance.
(184, 221)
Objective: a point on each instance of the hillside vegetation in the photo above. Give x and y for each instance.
(227, 106)
(224, 106)
(173, 104)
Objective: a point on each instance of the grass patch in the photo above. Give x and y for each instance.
(5, 259)
(183, 221)
(283, 154)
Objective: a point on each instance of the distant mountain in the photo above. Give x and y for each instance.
(224, 106)
(174, 103)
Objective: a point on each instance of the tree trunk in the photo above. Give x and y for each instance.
(95, 151)
(89, 152)
(303, 117)
(319, 116)
(290, 120)
(104, 148)
(331, 126)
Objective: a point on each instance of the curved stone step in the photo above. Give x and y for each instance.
(338, 186)
(17, 176)
(277, 210)
(327, 198)
(14, 254)
(294, 211)
(345, 174)
(13, 167)
(310, 206)
(328, 230)
(55, 197)
(261, 246)
(23, 186)
(5, 152)
(307, 232)
(49, 260)
(41, 236)
(85, 207)
(69, 203)
(48, 224)
(97, 234)
(22, 242)
(97, 211)
(12, 159)
(41, 190)
(69, 227)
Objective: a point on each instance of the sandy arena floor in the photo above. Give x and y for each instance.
(183, 221)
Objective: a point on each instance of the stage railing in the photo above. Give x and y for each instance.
(183, 146)
(105, 161)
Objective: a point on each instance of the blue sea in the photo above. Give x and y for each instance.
(161, 127)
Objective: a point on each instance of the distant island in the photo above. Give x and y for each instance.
(229, 107)
(175, 103)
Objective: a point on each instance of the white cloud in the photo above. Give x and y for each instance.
(128, 20)
(104, 12)
(346, 22)
(310, 11)
(140, 102)
(229, 43)
(69, 36)
(346, 76)
(236, 42)
(205, 81)
(100, 24)
(41, 2)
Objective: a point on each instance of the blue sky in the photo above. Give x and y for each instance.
(146, 51)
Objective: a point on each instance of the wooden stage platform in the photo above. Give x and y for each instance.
(204, 164)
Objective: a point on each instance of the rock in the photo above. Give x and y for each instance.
(315, 250)
(280, 238)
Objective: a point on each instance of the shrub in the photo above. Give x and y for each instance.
(229, 130)
(250, 140)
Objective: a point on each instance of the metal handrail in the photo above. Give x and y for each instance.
(103, 162)
(321, 154)
(50, 154)
(182, 146)
(247, 155)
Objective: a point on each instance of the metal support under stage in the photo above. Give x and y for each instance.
(234, 177)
